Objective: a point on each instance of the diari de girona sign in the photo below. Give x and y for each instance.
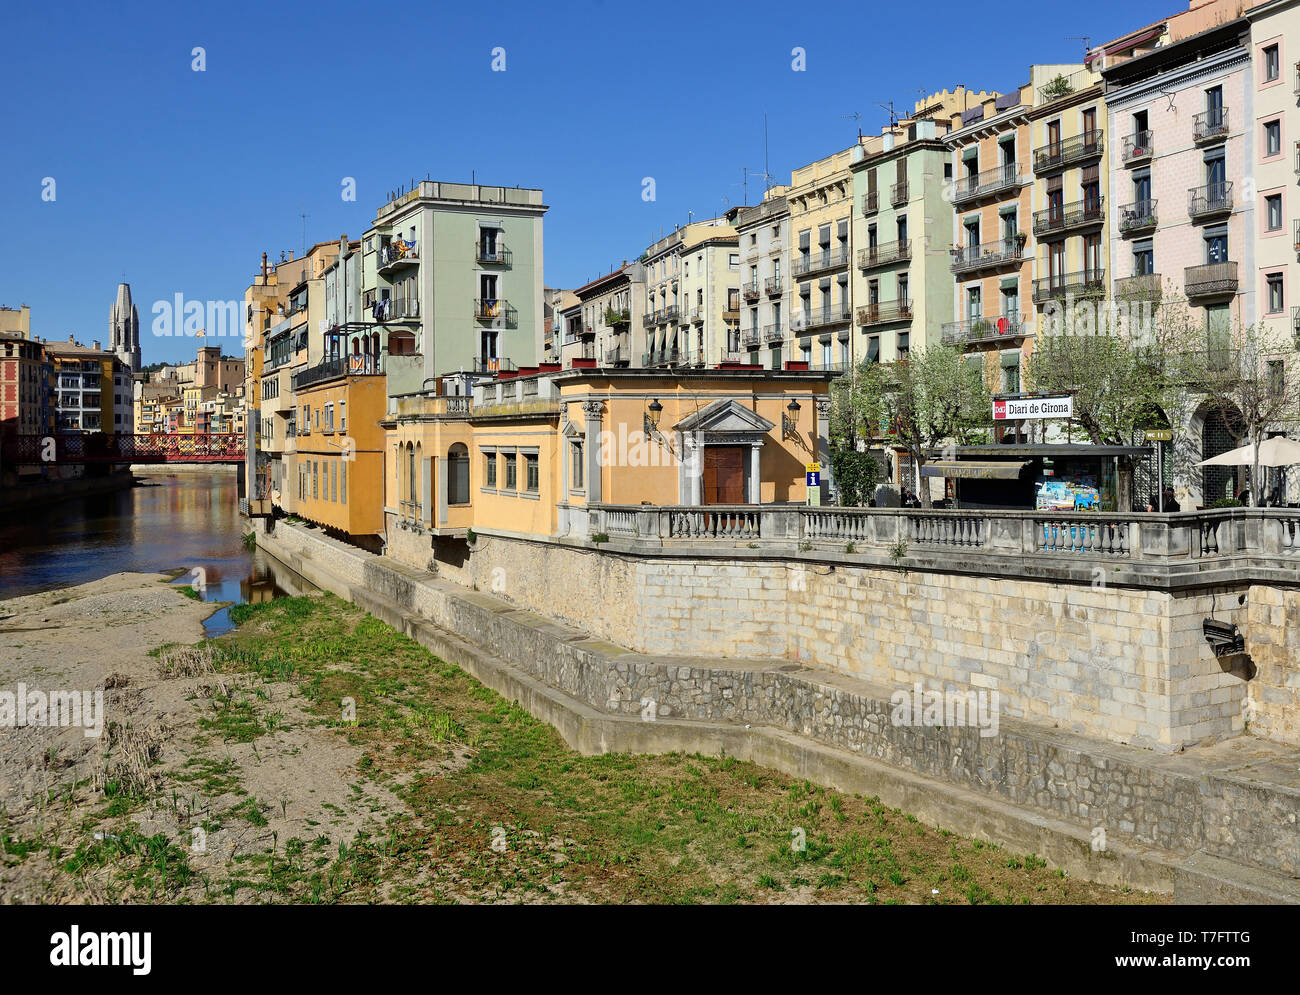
(1014, 409)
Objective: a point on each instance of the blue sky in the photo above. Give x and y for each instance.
(180, 179)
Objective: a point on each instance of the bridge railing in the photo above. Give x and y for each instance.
(99, 447)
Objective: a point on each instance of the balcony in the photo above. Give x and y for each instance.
(816, 262)
(671, 313)
(1210, 280)
(1144, 287)
(1208, 201)
(1137, 217)
(774, 332)
(969, 258)
(615, 318)
(898, 193)
(987, 183)
(885, 254)
(750, 339)
(1090, 283)
(1137, 148)
(1295, 326)
(1063, 218)
(984, 328)
(1210, 126)
(649, 319)
(497, 311)
(870, 203)
(694, 314)
(824, 317)
(883, 312)
(492, 255)
(398, 254)
(395, 309)
(750, 292)
(492, 364)
(772, 286)
(616, 357)
(1066, 152)
(332, 369)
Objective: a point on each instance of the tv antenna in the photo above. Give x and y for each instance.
(857, 117)
(893, 115)
(1083, 38)
(304, 217)
(746, 173)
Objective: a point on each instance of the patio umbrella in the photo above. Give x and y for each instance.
(1277, 451)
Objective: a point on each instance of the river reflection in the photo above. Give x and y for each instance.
(173, 521)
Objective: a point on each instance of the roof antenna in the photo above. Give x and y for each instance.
(857, 117)
(893, 116)
(1083, 38)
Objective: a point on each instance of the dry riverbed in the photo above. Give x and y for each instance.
(316, 755)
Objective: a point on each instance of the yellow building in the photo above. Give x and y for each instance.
(692, 296)
(527, 455)
(339, 465)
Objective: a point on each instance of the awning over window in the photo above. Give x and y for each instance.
(973, 470)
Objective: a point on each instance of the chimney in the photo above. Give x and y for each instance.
(263, 269)
(95, 345)
(291, 255)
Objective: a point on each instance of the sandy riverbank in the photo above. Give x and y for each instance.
(69, 802)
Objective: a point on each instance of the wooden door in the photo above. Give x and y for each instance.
(724, 475)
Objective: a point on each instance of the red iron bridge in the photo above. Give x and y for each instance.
(98, 447)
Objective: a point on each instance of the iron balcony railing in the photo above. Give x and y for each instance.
(870, 203)
(1210, 279)
(1143, 287)
(1089, 283)
(824, 259)
(497, 255)
(772, 286)
(822, 317)
(1211, 199)
(750, 291)
(695, 314)
(671, 313)
(982, 328)
(898, 193)
(967, 258)
(492, 364)
(649, 319)
(496, 309)
(1297, 158)
(329, 369)
(1138, 216)
(1067, 217)
(1067, 151)
(398, 253)
(774, 332)
(1210, 125)
(615, 318)
(880, 312)
(987, 183)
(885, 253)
(1295, 325)
(1137, 147)
(749, 338)
(395, 308)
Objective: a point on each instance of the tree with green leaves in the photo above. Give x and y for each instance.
(931, 398)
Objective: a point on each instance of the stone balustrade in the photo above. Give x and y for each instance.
(1140, 546)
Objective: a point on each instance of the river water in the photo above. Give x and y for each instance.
(188, 521)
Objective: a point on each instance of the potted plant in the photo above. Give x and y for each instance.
(1020, 239)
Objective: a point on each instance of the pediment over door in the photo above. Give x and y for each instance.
(725, 418)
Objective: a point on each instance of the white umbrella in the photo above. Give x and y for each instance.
(1277, 451)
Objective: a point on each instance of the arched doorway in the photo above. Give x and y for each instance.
(1218, 436)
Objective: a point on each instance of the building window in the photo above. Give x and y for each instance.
(1273, 212)
(511, 475)
(1143, 258)
(1276, 377)
(575, 465)
(532, 477)
(343, 483)
(1272, 65)
(458, 474)
(1216, 244)
(490, 468)
(1274, 294)
(733, 260)
(1273, 137)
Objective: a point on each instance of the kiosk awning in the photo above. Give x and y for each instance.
(975, 470)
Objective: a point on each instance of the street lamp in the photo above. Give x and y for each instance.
(790, 421)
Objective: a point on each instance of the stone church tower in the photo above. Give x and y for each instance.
(124, 328)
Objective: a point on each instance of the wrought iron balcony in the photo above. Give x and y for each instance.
(1295, 326)
(695, 314)
(823, 317)
(882, 312)
(1137, 147)
(750, 292)
(1211, 125)
(1090, 283)
(774, 332)
(898, 193)
(614, 318)
(1144, 287)
(397, 253)
(497, 310)
(615, 357)
(1068, 217)
(1210, 280)
(649, 319)
(870, 203)
(968, 258)
(772, 286)
(1209, 200)
(824, 259)
(749, 339)
(1067, 151)
(671, 313)
(987, 183)
(884, 254)
(984, 328)
(497, 255)
(1138, 216)
(331, 369)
